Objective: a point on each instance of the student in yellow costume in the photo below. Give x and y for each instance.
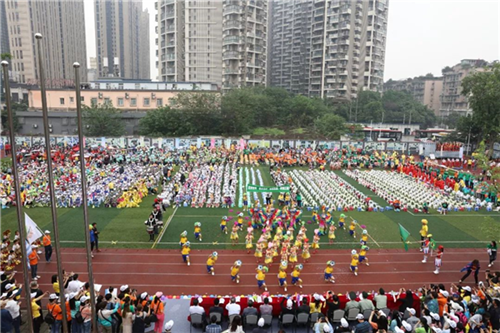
(235, 270)
(282, 275)
(329, 271)
(261, 276)
(211, 262)
(354, 262)
(296, 275)
(185, 253)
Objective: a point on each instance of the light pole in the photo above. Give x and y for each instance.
(55, 226)
(17, 186)
(83, 179)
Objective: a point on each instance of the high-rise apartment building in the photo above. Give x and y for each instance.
(4, 32)
(190, 40)
(290, 45)
(452, 100)
(62, 25)
(341, 41)
(122, 39)
(244, 43)
(426, 90)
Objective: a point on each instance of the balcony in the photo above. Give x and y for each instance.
(233, 24)
(169, 2)
(231, 55)
(231, 40)
(232, 9)
(169, 14)
(232, 71)
(170, 70)
(170, 56)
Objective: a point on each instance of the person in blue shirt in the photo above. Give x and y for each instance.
(7, 321)
(92, 240)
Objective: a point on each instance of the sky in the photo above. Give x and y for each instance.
(423, 36)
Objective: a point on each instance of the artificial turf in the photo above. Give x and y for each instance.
(124, 228)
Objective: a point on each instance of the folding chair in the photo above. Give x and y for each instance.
(352, 313)
(217, 315)
(287, 319)
(268, 321)
(251, 320)
(337, 315)
(196, 319)
(367, 314)
(303, 319)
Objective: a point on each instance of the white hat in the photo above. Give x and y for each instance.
(398, 330)
(434, 316)
(9, 286)
(360, 316)
(452, 323)
(124, 287)
(71, 295)
(144, 295)
(169, 325)
(457, 307)
(326, 328)
(344, 323)
(261, 322)
(221, 301)
(381, 313)
(84, 299)
(289, 304)
(467, 288)
(407, 326)
(47, 232)
(53, 296)
(475, 299)
(316, 297)
(445, 293)
(411, 310)
(429, 320)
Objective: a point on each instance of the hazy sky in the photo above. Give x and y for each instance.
(423, 35)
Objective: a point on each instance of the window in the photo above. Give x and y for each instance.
(146, 101)
(82, 99)
(120, 101)
(133, 102)
(93, 101)
(159, 102)
(61, 101)
(107, 100)
(72, 100)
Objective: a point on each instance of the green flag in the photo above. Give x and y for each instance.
(256, 188)
(404, 236)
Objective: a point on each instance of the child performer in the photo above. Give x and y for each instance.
(296, 275)
(352, 228)
(439, 256)
(364, 237)
(261, 276)
(248, 240)
(293, 254)
(197, 231)
(305, 250)
(354, 262)
(342, 221)
(258, 251)
(331, 233)
(269, 255)
(211, 262)
(240, 221)
(183, 238)
(426, 246)
(185, 252)
(329, 271)
(223, 225)
(282, 275)
(362, 255)
(234, 234)
(315, 243)
(245, 203)
(235, 270)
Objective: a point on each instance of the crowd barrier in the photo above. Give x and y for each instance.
(413, 148)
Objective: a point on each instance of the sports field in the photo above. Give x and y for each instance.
(124, 228)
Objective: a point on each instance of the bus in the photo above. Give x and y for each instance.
(382, 134)
(431, 134)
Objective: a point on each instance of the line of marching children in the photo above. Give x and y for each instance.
(284, 244)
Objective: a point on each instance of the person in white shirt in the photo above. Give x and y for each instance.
(75, 285)
(233, 308)
(196, 308)
(13, 307)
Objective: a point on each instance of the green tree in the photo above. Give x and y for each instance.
(483, 92)
(202, 111)
(5, 56)
(165, 121)
(466, 126)
(331, 126)
(5, 119)
(482, 155)
(452, 120)
(237, 111)
(102, 120)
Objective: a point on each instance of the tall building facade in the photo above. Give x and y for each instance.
(189, 40)
(4, 32)
(62, 24)
(244, 43)
(452, 100)
(344, 46)
(426, 90)
(122, 39)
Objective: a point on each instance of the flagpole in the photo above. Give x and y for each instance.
(45, 113)
(17, 186)
(83, 179)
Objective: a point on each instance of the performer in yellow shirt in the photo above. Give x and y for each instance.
(354, 262)
(282, 275)
(424, 230)
(235, 270)
(183, 238)
(364, 237)
(352, 228)
(329, 271)
(197, 230)
(342, 221)
(211, 262)
(362, 255)
(223, 225)
(261, 276)
(185, 252)
(296, 275)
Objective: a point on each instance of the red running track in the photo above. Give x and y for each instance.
(154, 270)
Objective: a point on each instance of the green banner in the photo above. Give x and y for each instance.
(404, 236)
(277, 189)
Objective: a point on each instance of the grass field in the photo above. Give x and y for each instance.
(124, 228)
